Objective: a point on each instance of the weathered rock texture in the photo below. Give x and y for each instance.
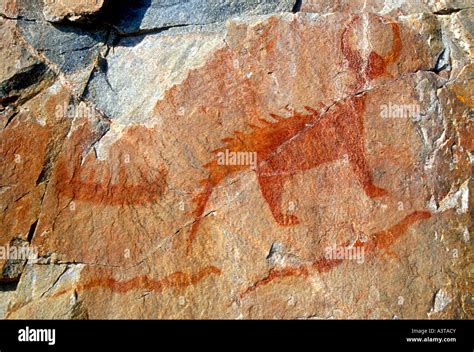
(199, 159)
(74, 10)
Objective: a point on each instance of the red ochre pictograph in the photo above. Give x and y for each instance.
(305, 140)
(284, 147)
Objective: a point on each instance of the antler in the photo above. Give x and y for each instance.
(394, 54)
(353, 57)
(376, 64)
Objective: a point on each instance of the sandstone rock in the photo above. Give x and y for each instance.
(155, 14)
(22, 75)
(61, 48)
(395, 7)
(448, 6)
(22, 9)
(42, 280)
(29, 141)
(73, 10)
(441, 301)
(137, 170)
(123, 100)
(388, 7)
(69, 48)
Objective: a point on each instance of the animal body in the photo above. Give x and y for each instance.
(304, 141)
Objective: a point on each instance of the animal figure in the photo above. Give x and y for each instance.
(305, 140)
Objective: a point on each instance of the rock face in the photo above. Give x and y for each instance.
(146, 15)
(73, 10)
(236, 159)
(393, 7)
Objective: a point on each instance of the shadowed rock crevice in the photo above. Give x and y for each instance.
(450, 11)
(297, 7)
(25, 84)
(8, 286)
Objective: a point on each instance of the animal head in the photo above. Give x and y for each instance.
(374, 64)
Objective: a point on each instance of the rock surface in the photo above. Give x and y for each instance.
(73, 10)
(137, 145)
(386, 7)
(146, 15)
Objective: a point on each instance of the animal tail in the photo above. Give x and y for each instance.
(200, 200)
(261, 140)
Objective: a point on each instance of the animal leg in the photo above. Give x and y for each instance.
(360, 167)
(272, 190)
